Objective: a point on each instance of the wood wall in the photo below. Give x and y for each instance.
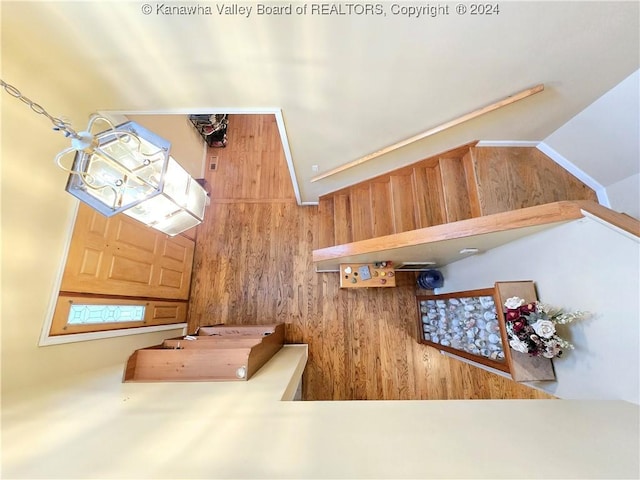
(253, 266)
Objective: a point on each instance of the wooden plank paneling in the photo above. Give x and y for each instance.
(429, 200)
(381, 208)
(186, 365)
(251, 165)
(326, 236)
(267, 348)
(456, 196)
(510, 178)
(235, 331)
(402, 203)
(436, 209)
(342, 219)
(429, 162)
(216, 342)
(469, 165)
(421, 195)
(254, 265)
(361, 223)
(206, 357)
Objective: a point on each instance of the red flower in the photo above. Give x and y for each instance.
(513, 315)
(528, 308)
(518, 325)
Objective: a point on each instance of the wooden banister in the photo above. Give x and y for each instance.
(617, 219)
(442, 242)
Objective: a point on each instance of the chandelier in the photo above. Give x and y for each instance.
(127, 169)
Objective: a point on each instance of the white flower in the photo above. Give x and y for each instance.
(544, 328)
(553, 350)
(513, 303)
(518, 345)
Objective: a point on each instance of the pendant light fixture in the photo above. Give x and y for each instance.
(127, 169)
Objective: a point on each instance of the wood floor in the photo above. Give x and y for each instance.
(253, 265)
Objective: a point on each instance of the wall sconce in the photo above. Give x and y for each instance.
(127, 169)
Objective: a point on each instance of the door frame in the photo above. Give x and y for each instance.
(47, 339)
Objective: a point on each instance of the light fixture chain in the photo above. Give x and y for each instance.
(58, 124)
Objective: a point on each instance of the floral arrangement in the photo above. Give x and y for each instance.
(531, 327)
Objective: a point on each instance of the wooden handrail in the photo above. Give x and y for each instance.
(617, 219)
(539, 215)
(432, 131)
(524, 217)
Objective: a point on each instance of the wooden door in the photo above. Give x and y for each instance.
(120, 256)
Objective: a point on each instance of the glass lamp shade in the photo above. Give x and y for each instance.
(129, 170)
(177, 208)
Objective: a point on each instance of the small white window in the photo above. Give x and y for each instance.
(80, 314)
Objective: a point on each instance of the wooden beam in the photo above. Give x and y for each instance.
(434, 239)
(452, 123)
(549, 213)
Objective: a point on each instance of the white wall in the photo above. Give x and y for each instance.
(624, 196)
(187, 146)
(97, 427)
(36, 218)
(582, 265)
(604, 142)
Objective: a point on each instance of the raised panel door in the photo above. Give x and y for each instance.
(120, 256)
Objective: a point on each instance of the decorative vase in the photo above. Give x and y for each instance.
(430, 279)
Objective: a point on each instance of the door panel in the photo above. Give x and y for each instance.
(174, 313)
(138, 237)
(98, 224)
(175, 252)
(120, 256)
(170, 278)
(90, 263)
(125, 269)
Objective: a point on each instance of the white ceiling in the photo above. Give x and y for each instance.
(347, 85)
